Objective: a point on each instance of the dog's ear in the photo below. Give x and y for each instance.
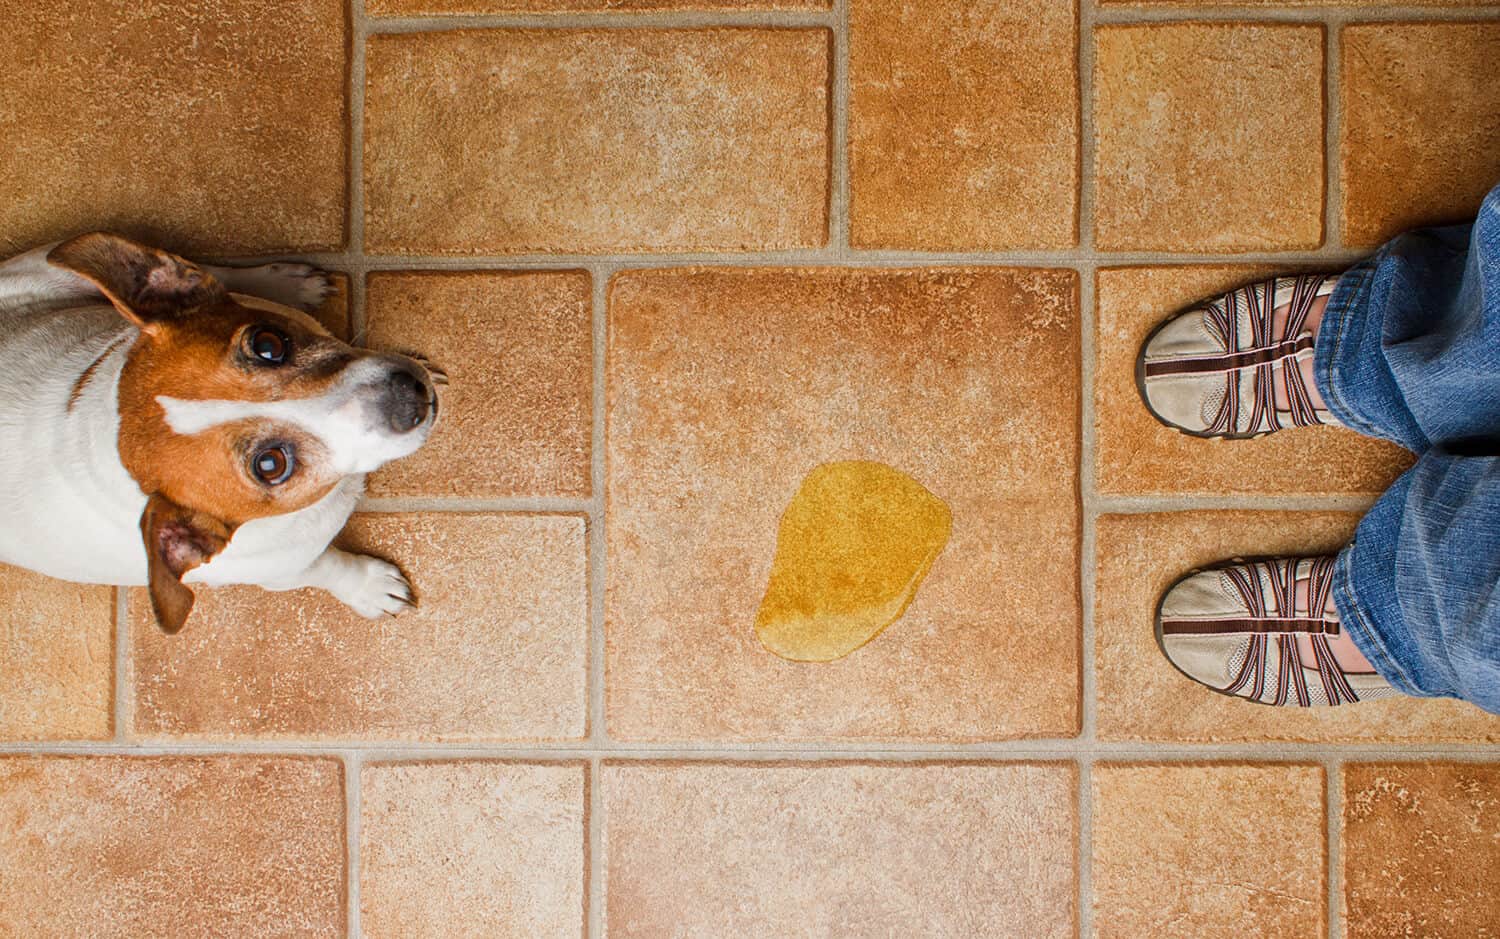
(177, 540)
(148, 286)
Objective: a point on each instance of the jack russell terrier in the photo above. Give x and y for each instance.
(164, 423)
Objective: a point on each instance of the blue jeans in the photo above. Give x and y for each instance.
(1409, 351)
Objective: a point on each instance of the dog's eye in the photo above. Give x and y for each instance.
(268, 345)
(273, 465)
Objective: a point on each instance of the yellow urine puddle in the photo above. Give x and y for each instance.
(854, 545)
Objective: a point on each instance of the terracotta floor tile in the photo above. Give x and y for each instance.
(963, 124)
(1208, 137)
(840, 849)
(516, 417)
(1421, 849)
(212, 126)
(1211, 851)
(1420, 125)
(171, 846)
(1142, 697)
(496, 650)
(515, 141)
(726, 387)
(442, 7)
(1135, 454)
(472, 849)
(56, 658)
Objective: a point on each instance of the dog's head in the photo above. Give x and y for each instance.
(234, 408)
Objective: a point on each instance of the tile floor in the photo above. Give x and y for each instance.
(674, 254)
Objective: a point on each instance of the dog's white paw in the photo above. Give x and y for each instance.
(374, 588)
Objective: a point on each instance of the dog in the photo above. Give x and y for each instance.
(168, 424)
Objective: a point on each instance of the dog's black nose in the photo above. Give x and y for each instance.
(407, 401)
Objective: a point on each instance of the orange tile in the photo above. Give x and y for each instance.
(498, 648)
(442, 7)
(56, 658)
(840, 849)
(1420, 125)
(1141, 696)
(963, 124)
(1208, 137)
(472, 848)
(171, 846)
(1421, 848)
(726, 387)
(1137, 455)
(515, 141)
(214, 126)
(1210, 851)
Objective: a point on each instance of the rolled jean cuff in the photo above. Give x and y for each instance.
(1356, 619)
(1339, 337)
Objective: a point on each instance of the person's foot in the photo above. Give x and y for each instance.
(1240, 365)
(1266, 631)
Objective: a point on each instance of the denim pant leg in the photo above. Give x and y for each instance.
(1409, 351)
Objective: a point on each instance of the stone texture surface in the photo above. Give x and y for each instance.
(497, 648)
(1142, 697)
(963, 124)
(214, 126)
(473, 848)
(1420, 125)
(443, 7)
(56, 658)
(515, 141)
(1215, 851)
(840, 849)
(1421, 848)
(171, 846)
(1208, 137)
(1137, 455)
(726, 387)
(515, 419)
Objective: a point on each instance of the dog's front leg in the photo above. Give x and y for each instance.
(371, 587)
(289, 283)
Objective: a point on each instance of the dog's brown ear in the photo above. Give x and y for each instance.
(177, 540)
(147, 285)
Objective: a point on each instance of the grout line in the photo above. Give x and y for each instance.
(1085, 848)
(1148, 11)
(839, 186)
(1333, 183)
(598, 583)
(1333, 854)
(536, 505)
(353, 820)
(594, 852)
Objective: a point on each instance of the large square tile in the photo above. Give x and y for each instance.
(215, 126)
(56, 658)
(1141, 696)
(840, 850)
(1208, 137)
(963, 124)
(726, 387)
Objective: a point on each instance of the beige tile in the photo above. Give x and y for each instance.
(215, 126)
(963, 124)
(516, 141)
(1137, 455)
(171, 846)
(56, 658)
(472, 848)
(496, 650)
(1209, 851)
(840, 849)
(516, 418)
(726, 387)
(1208, 137)
(442, 7)
(1380, 5)
(1421, 848)
(1142, 697)
(1420, 125)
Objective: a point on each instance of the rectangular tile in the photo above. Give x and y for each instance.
(460, 7)
(840, 849)
(1421, 849)
(497, 648)
(171, 846)
(516, 418)
(963, 124)
(727, 387)
(56, 658)
(1420, 125)
(517, 141)
(1137, 455)
(1209, 851)
(472, 848)
(215, 126)
(1208, 137)
(1141, 696)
